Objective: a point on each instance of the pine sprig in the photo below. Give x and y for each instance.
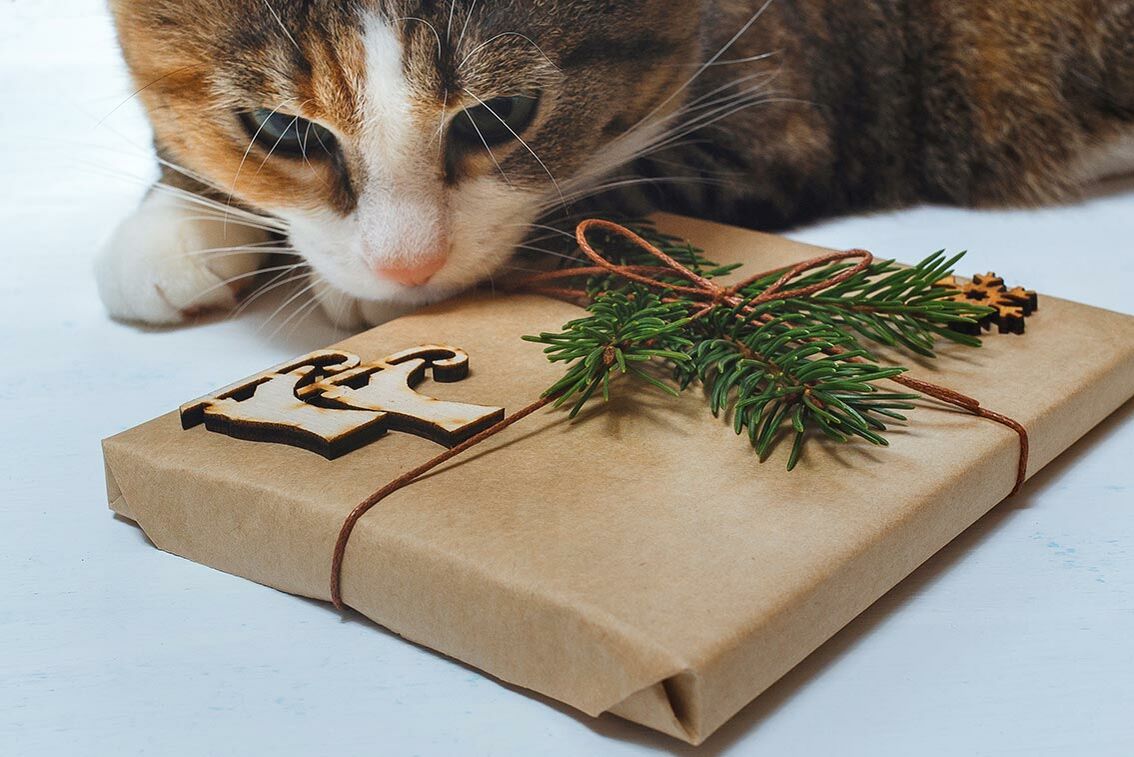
(889, 304)
(626, 330)
(791, 368)
(781, 377)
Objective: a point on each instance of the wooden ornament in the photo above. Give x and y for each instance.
(274, 413)
(325, 361)
(331, 403)
(1010, 306)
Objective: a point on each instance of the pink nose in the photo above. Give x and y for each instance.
(417, 274)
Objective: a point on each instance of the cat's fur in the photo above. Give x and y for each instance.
(753, 115)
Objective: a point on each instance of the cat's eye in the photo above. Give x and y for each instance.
(288, 135)
(495, 121)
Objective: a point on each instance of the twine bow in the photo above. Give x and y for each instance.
(706, 295)
(705, 292)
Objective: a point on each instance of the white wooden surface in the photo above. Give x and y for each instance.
(1017, 639)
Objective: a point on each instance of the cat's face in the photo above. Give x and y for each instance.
(408, 144)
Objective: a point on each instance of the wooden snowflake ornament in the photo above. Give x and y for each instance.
(1010, 306)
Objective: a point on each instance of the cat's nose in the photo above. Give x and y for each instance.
(413, 274)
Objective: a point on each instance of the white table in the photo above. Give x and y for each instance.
(1018, 638)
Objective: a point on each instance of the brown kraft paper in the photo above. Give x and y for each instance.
(639, 560)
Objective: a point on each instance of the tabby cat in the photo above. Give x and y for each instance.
(403, 150)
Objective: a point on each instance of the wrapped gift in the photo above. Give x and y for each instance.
(639, 559)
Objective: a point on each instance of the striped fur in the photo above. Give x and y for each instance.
(816, 107)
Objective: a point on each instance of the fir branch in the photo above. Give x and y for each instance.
(782, 377)
(785, 367)
(890, 304)
(625, 330)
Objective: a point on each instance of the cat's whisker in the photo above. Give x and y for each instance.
(522, 269)
(637, 180)
(319, 137)
(583, 189)
(502, 35)
(242, 277)
(306, 310)
(431, 27)
(518, 138)
(270, 245)
(272, 285)
(248, 150)
(707, 65)
(749, 59)
(195, 198)
(705, 100)
(546, 219)
(303, 149)
(301, 308)
(540, 226)
(194, 176)
(465, 28)
(766, 100)
(444, 120)
(227, 252)
(286, 32)
(216, 211)
(545, 251)
(722, 108)
(235, 251)
(682, 122)
(764, 81)
(340, 300)
(701, 171)
(491, 154)
(192, 199)
(302, 145)
(543, 238)
(140, 90)
(654, 180)
(207, 182)
(243, 217)
(302, 291)
(734, 61)
(306, 159)
(130, 150)
(218, 217)
(188, 173)
(275, 146)
(612, 158)
(449, 28)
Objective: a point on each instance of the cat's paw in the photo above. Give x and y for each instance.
(157, 267)
(353, 314)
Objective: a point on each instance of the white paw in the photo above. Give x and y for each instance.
(353, 314)
(157, 268)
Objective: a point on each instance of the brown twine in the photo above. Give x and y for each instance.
(405, 480)
(706, 295)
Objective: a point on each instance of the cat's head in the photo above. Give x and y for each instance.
(408, 144)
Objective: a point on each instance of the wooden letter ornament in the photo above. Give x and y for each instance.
(331, 402)
(1011, 306)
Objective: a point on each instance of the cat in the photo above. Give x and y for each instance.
(403, 150)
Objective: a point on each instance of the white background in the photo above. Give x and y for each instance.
(1016, 639)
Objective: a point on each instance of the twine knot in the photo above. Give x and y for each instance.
(699, 289)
